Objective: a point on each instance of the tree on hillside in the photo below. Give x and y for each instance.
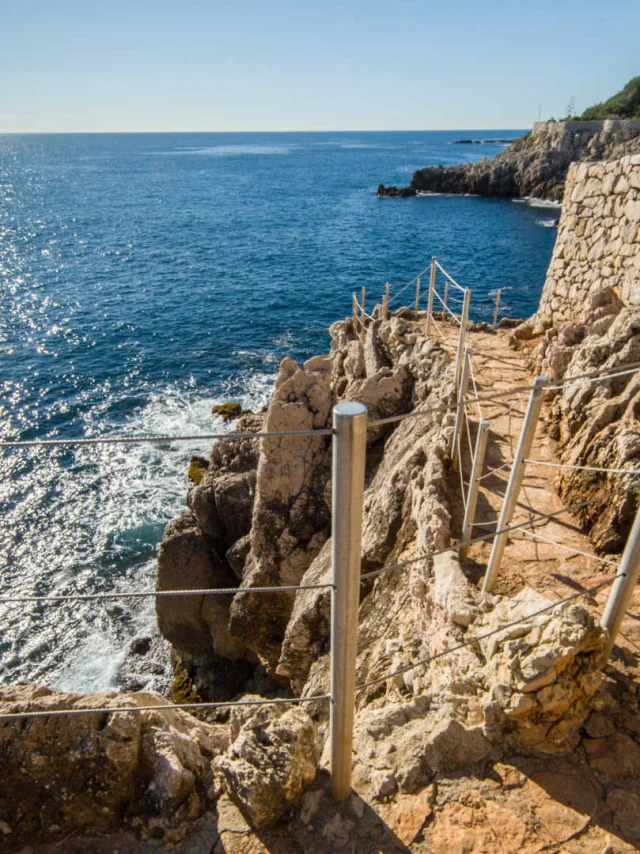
(625, 104)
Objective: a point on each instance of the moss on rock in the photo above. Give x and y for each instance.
(230, 411)
(197, 469)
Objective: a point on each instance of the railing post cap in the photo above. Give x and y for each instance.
(349, 408)
(540, 380)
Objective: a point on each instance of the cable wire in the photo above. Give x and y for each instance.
(456, 547)
(581, 468)
(160, 708)
(215, 591)
(568, 548)
(477, 638)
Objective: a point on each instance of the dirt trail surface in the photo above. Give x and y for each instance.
(587, 802)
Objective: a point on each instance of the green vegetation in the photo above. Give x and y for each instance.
(625, 104)
(197, 469)
(229, 411)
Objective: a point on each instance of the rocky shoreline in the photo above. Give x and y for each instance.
(534, 166)
(515, 740)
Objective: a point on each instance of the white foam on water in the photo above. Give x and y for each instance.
(533, 202)
(89, 521)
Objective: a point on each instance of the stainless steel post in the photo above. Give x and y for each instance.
(460, 410)
(363, 315)
(445, 300)
(495, 313)
(432, 285)
(474, 486)
(515, 481)
(417, 296)
(386, 301)
(623, 587)
(349, 451)
(462, 339)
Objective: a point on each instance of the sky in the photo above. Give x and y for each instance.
(284, 65)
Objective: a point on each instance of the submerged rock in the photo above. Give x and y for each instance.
(229, 411)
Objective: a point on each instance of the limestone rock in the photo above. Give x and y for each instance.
(543, 672)
(290, 520)
(269, 764)
(534, 165)
(90, 770)
(187, 561)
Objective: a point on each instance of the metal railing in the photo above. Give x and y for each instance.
(349, 440)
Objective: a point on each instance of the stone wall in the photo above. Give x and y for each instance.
(598, 243)
(589, 320)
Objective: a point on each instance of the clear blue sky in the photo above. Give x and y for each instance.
(126, 65)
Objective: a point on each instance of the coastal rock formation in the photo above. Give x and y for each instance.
(271, 762)
(70, 772)
(260, 515)
(534, 166)
(589, 320)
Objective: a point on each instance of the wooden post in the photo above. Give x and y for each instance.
(417, 296)
(495, 313)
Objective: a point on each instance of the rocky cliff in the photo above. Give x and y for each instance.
(261, 515)
(534, 166)
(513, 740)
(589, 318)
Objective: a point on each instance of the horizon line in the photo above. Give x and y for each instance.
(350, 130)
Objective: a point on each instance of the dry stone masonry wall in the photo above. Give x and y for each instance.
(589, 319)
(597, 251)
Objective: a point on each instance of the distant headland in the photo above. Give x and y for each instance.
(536, 164)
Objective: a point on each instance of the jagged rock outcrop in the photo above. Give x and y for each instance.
(68, 773)
(535, 165)
(270, 763)
(263, 510)
(589, 320)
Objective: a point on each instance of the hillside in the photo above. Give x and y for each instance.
(625, 104)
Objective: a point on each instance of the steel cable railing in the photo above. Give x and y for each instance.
(347, 562)
(477, 638)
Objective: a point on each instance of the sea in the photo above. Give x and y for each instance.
(145, 277)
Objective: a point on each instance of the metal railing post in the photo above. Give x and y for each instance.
(349, 451)
(363, 315)
(460, 413)
(515, 481)
(464, 320)
(386, 301)
(474, 486)
(432, 285)
(495, 313)
(445, 299)
(417, 296)
(623, 587)
(354, 312)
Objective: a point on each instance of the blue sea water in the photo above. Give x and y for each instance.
(144, 277)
